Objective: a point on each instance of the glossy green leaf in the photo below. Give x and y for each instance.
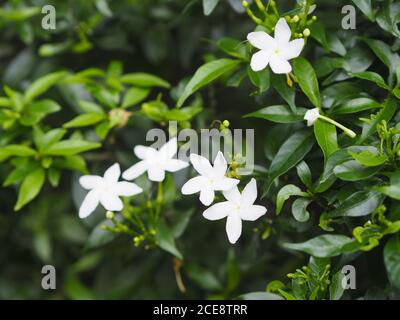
(30, 188)
(307, 80)
(326, 136)
(206, 74)
(286, 192)
(279, 114)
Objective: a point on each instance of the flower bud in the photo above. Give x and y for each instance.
(110, 215)
(306, 32)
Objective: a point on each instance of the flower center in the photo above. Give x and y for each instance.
(277, 52)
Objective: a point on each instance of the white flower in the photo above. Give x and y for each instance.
(105, 190)
(275, 51)
(212, 178)
(155, 162)
(238, 207)
(311, 116)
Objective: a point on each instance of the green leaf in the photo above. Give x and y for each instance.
(141, 79)
(373, 77)
(134, 96)
(100, 237)
(205, 75)
(304, 173)
(307, 80)
(384, 53)
(286, 192)
(70, 147)
(336, 289)
(203, 277)
(260, 79)
(386, 113)
(356, 105)
(44, 107)
(326, 137)
(233, 47)
(260, 296)
(30, 188)
(358, 204)
(166, 240)
(17, 150)
(84, 120)
(368, 159)
(324, 246)
(90, 107)
(366, 7)
(287, 93)
(42, 84)
(391, 255)
(299, 209)
(279, 114)
(209, 6)
(354, 171)
(290, 153)
(42, 140)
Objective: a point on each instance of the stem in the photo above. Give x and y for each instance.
(159, 200)
(347, 131)
(306, 10)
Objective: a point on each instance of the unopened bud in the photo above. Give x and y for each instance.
(110, 215)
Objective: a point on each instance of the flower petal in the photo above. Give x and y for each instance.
(252, 213)
(135, 171)
(112, 174)
(233, 228)
(282, 31)
(90, 182)
(220, 164)
(174, 165)
(143, 152)
(156, 173)
(111, 202)
(260, 60)
(261, 40)
(279, 65)
(225, 184)
(193, 185)
(311, 116)
(293, 49)
(89, 204)
(126, 189)
(233, 195)
(218, 211)
(249, 193)
(168, 150)
(207, 195)
(201, 164)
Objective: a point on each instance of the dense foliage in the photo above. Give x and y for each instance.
(76, 99)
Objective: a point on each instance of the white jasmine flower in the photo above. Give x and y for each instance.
(311, 116)
(212, 178)
(155, 162)
(238, 207)
(105, 190)
(275, 51)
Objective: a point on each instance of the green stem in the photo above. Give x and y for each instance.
(159, 200)
(347, 131)
(307, 9)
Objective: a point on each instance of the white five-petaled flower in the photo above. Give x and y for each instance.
(275, 51)
(311, 116)
(211, 179)
(105, 190)
(238, 207)
(155, 162)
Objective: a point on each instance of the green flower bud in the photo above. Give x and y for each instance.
(306, 32)
(110, 215)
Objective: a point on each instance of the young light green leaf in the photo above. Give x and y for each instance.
(30, 188)
(84, 120)
(70, 147)
(368, 159)
(42, 84)
(134, 96)
(141, 79)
